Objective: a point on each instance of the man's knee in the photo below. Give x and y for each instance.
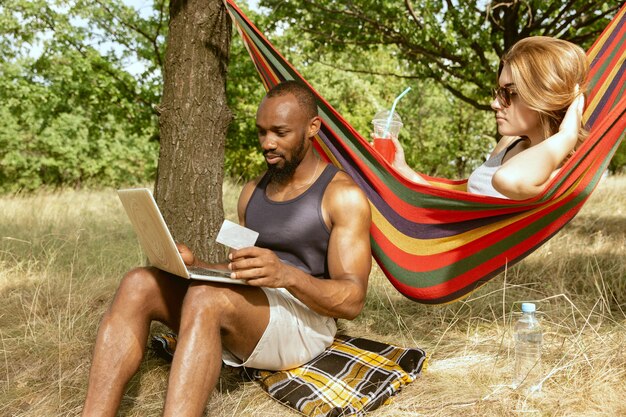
(209, 301)
(139, 285)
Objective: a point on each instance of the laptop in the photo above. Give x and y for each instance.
(156, 239)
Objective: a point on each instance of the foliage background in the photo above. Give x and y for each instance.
(81, 86)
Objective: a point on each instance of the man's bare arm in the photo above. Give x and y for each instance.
(349, 251)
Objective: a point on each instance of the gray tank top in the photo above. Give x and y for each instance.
(293, 229)
(479, 182)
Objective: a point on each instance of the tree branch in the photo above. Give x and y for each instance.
(369, 72)
(409, 7)
(478, 50)
(81, 50)
(152, 39)
(378, 26)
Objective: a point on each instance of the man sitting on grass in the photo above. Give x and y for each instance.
(310, 266)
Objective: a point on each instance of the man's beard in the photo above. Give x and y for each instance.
(284, 173)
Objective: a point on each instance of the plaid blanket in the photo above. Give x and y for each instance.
(351, 377)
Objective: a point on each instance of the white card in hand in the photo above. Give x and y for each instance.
(236, 236)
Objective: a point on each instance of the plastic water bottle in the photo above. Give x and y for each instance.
(528, 337)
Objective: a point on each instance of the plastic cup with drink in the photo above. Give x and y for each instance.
(384, 131)
(387, 125)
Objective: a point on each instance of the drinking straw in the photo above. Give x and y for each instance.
(393, 108)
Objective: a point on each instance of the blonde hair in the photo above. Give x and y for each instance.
(545, 71)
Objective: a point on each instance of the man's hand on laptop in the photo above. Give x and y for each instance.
(186, 253)
(191, 261)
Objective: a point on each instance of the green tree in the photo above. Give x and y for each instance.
(73, 57)
(77, 116)
(442, 135)
(454, 43)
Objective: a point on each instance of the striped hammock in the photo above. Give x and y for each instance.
(438, 243)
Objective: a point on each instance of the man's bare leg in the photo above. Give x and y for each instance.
(143, 295)
(236, 316)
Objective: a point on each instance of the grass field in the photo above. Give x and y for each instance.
(62, 255)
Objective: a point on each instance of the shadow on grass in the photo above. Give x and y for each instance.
(587, 225)
(156, 368)
(584, 278)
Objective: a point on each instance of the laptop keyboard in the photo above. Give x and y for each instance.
(208, 271)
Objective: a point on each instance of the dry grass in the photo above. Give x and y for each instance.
(61, 256)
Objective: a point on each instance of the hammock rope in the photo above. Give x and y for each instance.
(438, 243)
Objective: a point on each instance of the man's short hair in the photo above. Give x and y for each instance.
(305, 97)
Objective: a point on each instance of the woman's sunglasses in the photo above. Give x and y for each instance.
(503, 94)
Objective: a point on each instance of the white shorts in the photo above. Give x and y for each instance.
(294, 335)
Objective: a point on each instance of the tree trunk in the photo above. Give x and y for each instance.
(193, 122)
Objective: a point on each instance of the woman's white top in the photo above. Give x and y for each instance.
(479, 182)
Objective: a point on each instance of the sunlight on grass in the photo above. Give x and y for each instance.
(62, 255)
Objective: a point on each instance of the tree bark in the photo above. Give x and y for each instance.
(193, 122)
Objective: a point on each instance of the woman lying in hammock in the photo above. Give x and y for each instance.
(538, 108)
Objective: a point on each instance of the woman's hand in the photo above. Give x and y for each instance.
(400, 165)
(399, 161)
(573, 118)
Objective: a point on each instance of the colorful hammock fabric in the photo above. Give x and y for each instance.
(438, 243)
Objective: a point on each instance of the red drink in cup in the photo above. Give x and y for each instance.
(386, 128)
(386, 148)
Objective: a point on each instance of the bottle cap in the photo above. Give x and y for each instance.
(528, 307)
